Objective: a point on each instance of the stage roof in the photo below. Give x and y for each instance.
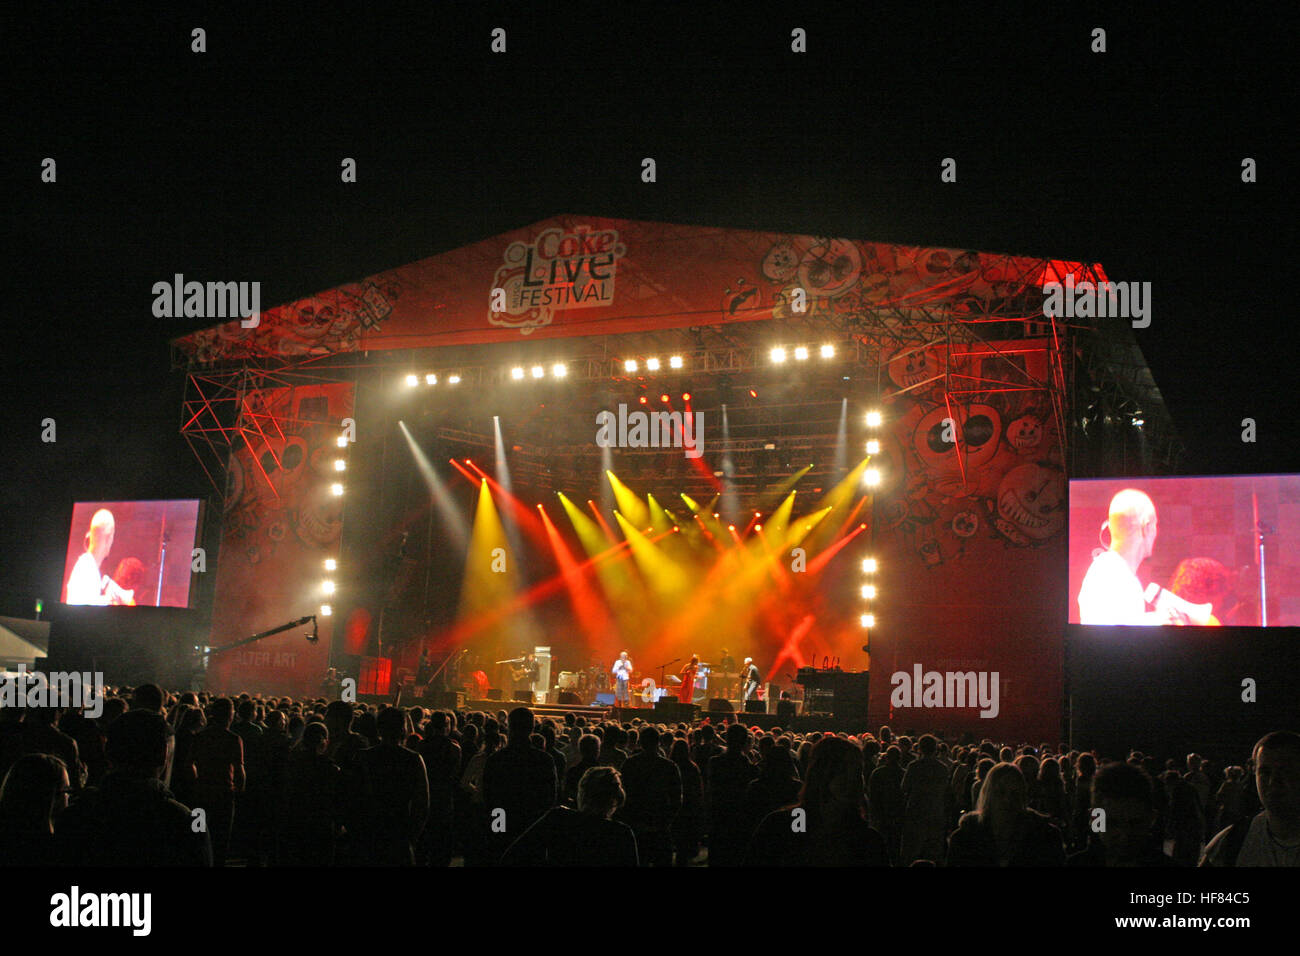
(592, 277)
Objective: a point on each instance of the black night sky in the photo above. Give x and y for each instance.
(226, 164)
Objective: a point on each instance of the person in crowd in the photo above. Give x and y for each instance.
(392, 795)
(654, 798)
(1271, 837)
(40, 734)
(1229, 799)
(189, 722)
(308, 801)
(885, 801)
(688, 827)
(1002, 831)
(219, 774)
(34, 790)
(828, 827)
(1184, 821)
(777, 785)
(1051, 793)
(441, 755)
(131, 819)
(588, 836)
(1124, 811)
(729, 776)
(519, 784)
(588, 757)
(926, 810)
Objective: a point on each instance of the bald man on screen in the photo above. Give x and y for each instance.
(86, 585)
(1111, 592)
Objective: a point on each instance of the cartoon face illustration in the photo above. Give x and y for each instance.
(974, 429)
(936, 263)
(830, 268)
(320, 518)
(284, 475)
(911, 367)
(1031, 501)
(780, 263)
(1025, 433)
(965, 524)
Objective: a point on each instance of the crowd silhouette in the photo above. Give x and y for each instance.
(193, 779)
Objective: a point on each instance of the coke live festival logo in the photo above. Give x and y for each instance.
(557, 270)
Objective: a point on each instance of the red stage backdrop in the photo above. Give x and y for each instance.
(970, 536)
(281, 522)
(588, 275)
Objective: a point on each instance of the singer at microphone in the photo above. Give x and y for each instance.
(1111, 592)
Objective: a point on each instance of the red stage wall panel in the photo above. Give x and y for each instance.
(588, 275)
(970, 535)
(281, 522)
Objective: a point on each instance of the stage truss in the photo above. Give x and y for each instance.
(1096, 373)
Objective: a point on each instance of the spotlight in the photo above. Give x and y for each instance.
(412, 381)
(874, 419)
(331, 564)
(453, 379)
(801, 353)
(675, 362)
(778, 355)
(867, 620)
(873, 447)
(430, 379)
(828, 351)
(664, 398)
(731, 527)
(686, 396)
(753, 394)
(327, 587)
(869, 565)
(630, 365)
(652, 364)
(517, 373)
(872, 477)
(758, 527)
(337, 489)
(559, 370)
(326, 610)
(538, 371)
(868, 591)
(644, 400)
(340, 464)
(341, 441)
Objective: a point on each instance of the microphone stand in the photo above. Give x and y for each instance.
(1260, 531)
(661, 670)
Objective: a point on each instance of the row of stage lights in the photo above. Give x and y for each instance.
(327, 585)
(869, 566)
(778, 355)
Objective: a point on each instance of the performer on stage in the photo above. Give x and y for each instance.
(687, 693)
(622, 672)
(532, 673)
(86, 585)
(728, 675)
(750, 676)
(1111, 592)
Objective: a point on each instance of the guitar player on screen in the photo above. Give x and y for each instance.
(1111, 592)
